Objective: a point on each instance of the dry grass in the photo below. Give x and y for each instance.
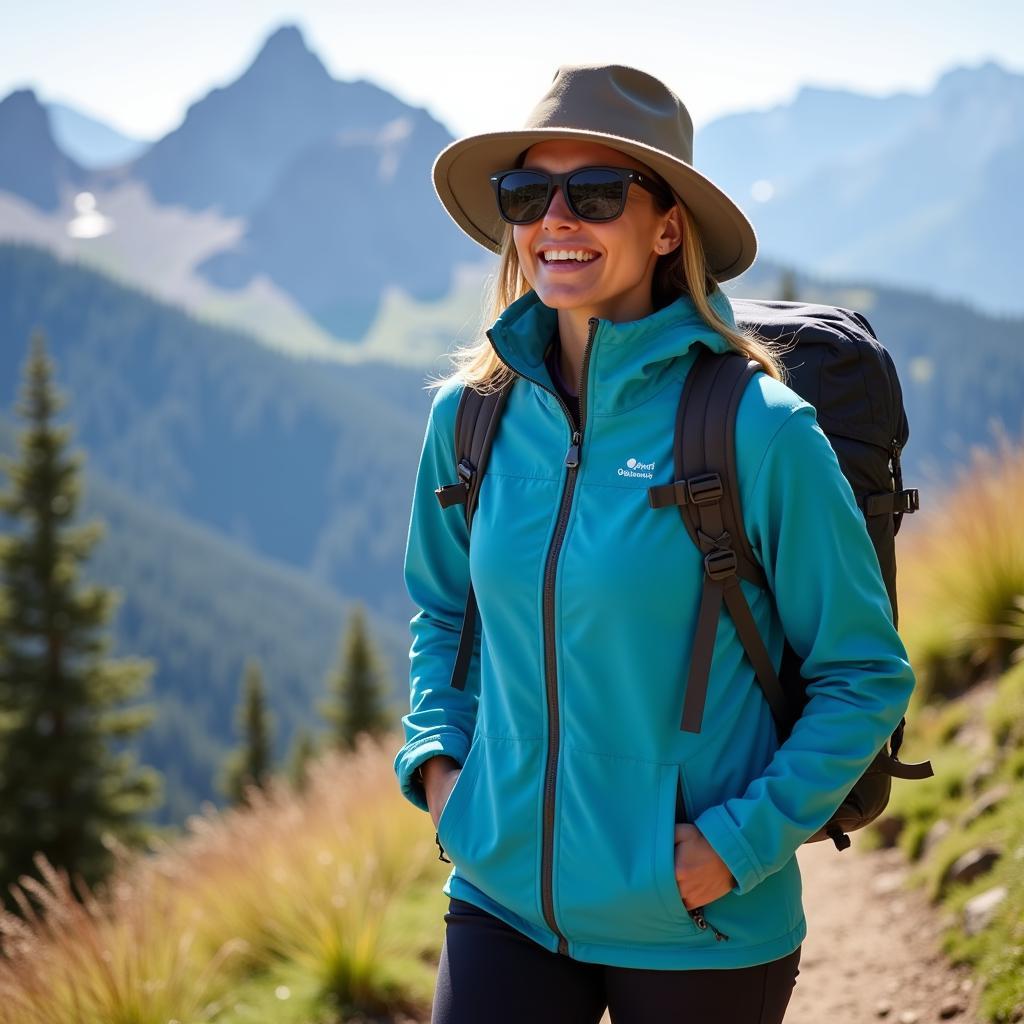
(961, 575)
(305, 878)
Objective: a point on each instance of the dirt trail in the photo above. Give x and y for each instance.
(872, 951)
(877, 948)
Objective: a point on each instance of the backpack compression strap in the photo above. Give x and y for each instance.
(707, 494)
(476, 423)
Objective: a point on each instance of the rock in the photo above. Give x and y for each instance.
(980, 774)
(883, 1008)
(887, 882)
(985, 803)
(909, 1017)
(980, 910)
(939, 830)
(950, 1008)
(888, 828)
(965, 869)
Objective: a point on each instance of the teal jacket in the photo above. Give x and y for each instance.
(561, 821)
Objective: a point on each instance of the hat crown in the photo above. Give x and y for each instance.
(617, 100)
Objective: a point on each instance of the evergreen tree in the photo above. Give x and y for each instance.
(250, 764)
(303, 751)
(787, 290)
(68, 776)
(355, 701)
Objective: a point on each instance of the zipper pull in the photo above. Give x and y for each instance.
(572, 456)
(441, 855)
(703, 923)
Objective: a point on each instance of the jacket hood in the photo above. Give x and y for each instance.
(629, 360)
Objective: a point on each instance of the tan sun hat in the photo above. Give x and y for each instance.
(618, 106)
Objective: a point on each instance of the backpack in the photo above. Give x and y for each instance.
(836, 363)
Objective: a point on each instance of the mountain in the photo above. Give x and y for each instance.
(346, 216)
(301, 208)
(301, 461)
(294, 205)
(32, 166)
(912, 190)
(92, 143)
(199, 604)
(235, 142)
(251, 496)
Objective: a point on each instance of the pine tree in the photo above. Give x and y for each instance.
(355, 693)
(787, 289)
(68, 776)
(250, 764)
(303, 751)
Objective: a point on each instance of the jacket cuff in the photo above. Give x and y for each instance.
(408, 759)
(729, 843)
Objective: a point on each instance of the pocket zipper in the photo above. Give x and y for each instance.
(702, 922)
(697, 913)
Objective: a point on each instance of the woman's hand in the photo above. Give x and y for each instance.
(701, 874)
(439, 775)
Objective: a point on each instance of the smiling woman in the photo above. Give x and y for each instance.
(604, 857)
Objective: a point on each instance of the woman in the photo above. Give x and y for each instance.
(602, 856)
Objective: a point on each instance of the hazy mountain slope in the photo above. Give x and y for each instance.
(89, 140)
(305, 462)
(199, 604)
(914, 191)
(32, 166)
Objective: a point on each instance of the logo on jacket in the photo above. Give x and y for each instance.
(634, 467)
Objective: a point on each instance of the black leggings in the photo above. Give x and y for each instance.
(491, 972)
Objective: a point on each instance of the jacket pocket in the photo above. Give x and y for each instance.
(490, 825)
(450, 812)
(616, 865)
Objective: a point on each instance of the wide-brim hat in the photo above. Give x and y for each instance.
(618, 106)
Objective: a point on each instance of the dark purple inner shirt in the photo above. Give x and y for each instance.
(554, 368)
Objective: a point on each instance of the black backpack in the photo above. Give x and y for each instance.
(836, 363)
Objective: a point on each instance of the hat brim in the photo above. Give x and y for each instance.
(462, 170)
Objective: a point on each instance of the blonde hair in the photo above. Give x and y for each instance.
(683, 271)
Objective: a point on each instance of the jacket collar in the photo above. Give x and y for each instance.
(629, 361)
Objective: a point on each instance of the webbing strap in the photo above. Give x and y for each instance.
(476, 423)
(753, 644)
(891, 502)
(705, 444)
(460, 670)
(700, 657)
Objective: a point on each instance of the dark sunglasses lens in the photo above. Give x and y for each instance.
(522, 194)
(597, 194)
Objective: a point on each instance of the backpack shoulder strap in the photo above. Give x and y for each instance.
(706, 491)
(476, 423)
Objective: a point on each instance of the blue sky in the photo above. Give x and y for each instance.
(482, 65)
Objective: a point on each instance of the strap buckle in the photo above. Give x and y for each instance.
(705, 488)
(719, 563)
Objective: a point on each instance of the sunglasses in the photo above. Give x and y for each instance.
(592, 193)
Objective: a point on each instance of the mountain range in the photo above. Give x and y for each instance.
(242, 321)
(300, 207)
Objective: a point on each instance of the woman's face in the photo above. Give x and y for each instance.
(616, 283)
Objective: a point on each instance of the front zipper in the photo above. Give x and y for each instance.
(572, 463)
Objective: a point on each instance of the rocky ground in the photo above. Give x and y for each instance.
(872, 950)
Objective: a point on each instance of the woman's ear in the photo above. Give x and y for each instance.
(671, 236)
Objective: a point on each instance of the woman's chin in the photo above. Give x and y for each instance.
(563, 296)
